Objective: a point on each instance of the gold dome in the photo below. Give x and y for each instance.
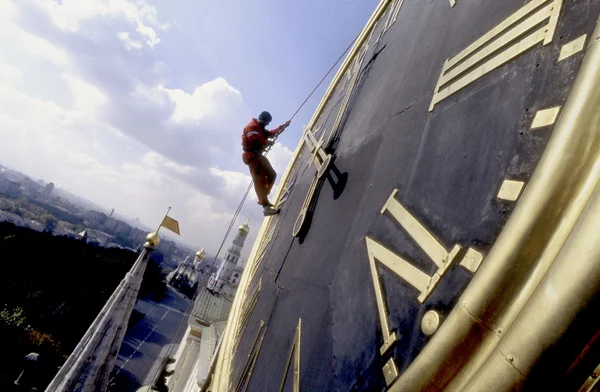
(245, 227)
(152, 240)
(200, 254)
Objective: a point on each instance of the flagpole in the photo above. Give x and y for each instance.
(161, 222)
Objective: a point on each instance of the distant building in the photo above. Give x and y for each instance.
(49, 188)
(188, 369)
(138, 236)
(31, 187)
(227, 278)
(83, 236)
(65, 205)
(94, 217)
(167, 248)
(10, 188)
(97, 237)
(14, 175)
(62, 228)
(117, 227)
(187, 274)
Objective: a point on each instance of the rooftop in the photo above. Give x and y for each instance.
(209, 308)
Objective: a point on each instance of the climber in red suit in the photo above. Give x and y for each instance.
(255, 140)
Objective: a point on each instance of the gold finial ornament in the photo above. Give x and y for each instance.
(245, 227)
(152, 240)
(200, 254)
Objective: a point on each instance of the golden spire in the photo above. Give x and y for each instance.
(245, 226)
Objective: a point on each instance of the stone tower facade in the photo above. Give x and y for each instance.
(89, 366)
(227, 277)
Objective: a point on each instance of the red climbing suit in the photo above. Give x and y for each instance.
(255, 139)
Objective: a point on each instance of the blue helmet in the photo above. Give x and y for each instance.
(265, 117)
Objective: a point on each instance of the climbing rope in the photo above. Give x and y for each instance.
(325, 77)
(237, 212)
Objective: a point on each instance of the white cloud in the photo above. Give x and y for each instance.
(86, 97)
(236, 183)
(146, 31)
(129, 42)
(105, 123)
(205, 101)
(279, 156)
(7, 11)
(157, 161)
(8, 73)
(70, 15)
(32, 44)
(16, 109)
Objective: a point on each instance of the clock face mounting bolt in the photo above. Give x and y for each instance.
(430, 322)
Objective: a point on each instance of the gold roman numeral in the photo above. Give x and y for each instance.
(247, 310)
(263, 250)
(286, 192)
(415, 277)
(319, 157)
(295, 353)
(392, 15)
(299, 224)
(246, 375)
(534, 23)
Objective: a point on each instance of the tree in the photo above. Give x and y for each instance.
(49, 222)
(154, 284)
(45, 306)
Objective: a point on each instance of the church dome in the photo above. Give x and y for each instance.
(245, 227)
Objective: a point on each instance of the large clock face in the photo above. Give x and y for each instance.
(404, 183)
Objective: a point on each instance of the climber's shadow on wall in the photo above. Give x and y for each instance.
(338, 181)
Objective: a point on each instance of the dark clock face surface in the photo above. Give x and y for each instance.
(433, 131)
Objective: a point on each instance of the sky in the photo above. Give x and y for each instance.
(140, 105)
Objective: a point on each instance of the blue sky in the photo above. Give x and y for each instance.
(274, 52)
(139, 105)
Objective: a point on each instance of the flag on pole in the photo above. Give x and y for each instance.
(171, 224)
